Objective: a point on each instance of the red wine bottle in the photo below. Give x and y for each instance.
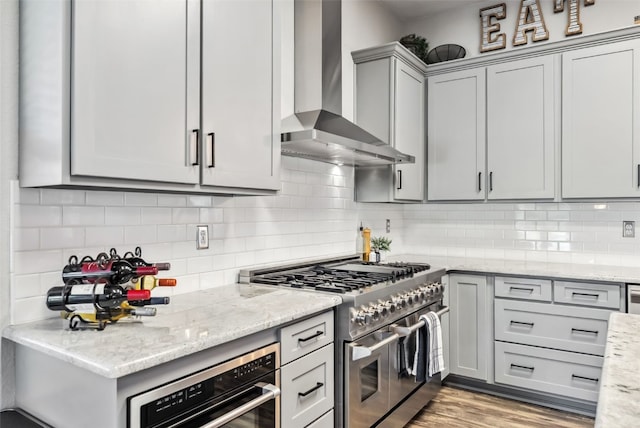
(112, 271)
(92, 297)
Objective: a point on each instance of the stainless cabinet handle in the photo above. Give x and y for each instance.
(315, 388)
(399, 180)
(579, 330)
(527, 290)
(590, 379)
(491, 181)
(519, 323)
(211, 139)
(517, 366)
(269, 392)
(588, 296)
(313, 336)
(638, 175)
(194, 149)
(480, 182)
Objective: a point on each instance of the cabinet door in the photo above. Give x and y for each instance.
(408, 132)
(600, 125)
(470, 325)
(456, 136)
(240, 140)
(134, 97)
(520, 129)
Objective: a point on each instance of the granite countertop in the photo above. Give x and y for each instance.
(570, 271)
(620, 384)
(191, 323)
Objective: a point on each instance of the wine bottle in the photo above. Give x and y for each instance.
(89, 298)
(149, 282)
(136, 260)
(117, 271)
(151, 301)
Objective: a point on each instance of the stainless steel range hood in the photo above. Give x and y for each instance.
(317, 130)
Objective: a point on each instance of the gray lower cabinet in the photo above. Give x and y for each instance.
(470, 322)
(307, 372)
(552, 339)
(547, 370)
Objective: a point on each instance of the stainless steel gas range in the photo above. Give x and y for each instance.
(381, 307)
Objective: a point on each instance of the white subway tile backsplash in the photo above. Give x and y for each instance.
(62, 197)
(83, 216)
(122, 216)
(185, 215)
(104, 199)
(172, 200)
(104, 236)
(155, 215)
(61, 237)
(37, 216)
(142, 234)
(140, 199)
(26, 239)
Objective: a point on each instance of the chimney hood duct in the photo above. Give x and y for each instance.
(317, 130)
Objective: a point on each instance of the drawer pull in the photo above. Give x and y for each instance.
(585, 296)
(314, 389)
(520, 323)
(579, 330)
(523, 289)
(313, 336)
(589, 379)
(517, 366)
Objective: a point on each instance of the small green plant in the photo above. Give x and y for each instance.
(380, 243)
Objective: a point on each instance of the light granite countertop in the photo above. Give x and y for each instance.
(192, 322)
(620, 384)
(571, 271)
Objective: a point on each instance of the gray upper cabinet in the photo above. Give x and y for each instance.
(456, 135)
(130, 106)
(112, 95)
(492, 132)
(390, 103)
(521, 97)
(239, 122)
(600, 123)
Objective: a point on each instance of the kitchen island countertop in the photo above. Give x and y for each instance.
(620, 384)
(191, 323)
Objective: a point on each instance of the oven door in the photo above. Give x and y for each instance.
(255, 405)
(402, 353)
(367, 385)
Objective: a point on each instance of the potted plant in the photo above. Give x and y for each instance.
(380, 244)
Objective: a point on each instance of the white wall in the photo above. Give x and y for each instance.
(462, 25)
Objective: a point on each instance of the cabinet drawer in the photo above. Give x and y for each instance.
(587, 294)
(307, 388)
(523, 288)
(305, 336)
(552, 326)
(326, 421)
(557, 372)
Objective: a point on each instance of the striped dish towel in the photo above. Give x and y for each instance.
(428, 359)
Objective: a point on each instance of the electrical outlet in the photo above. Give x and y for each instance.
(202, 238)
(628, 229)
(388, 225)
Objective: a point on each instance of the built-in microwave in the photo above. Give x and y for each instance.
(243, 392)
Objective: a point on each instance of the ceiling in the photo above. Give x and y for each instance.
(411, 9)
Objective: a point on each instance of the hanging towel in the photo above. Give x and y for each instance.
(428, 359)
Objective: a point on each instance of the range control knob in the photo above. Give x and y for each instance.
(362, 318)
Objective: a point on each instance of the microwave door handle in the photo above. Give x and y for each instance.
(406, 331)
(269, 392)
(360, 352)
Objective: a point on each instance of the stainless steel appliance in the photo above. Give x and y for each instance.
(381, 305)
(240, 393)
(633, 298)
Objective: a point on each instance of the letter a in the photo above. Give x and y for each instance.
(530, 19)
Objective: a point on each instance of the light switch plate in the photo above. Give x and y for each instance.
(202, 238)
(628, 229)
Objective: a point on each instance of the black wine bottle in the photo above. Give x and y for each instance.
(91, 297)
(112, 272)
(151, 301)
(136, 259)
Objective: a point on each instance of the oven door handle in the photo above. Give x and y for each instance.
(406, 331)
(360, 352)
(269, 392)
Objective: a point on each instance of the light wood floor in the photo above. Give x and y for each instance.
(457, 408)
